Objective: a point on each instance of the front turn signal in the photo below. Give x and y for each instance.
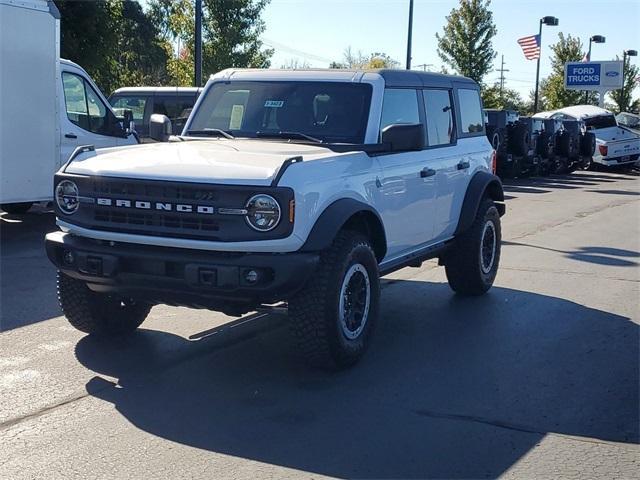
(292, 210)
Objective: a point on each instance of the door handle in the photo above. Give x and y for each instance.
(427, 172)
(70, 135)
(463, 164)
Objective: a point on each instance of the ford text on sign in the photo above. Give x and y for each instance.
(599, 76)
(578, 75)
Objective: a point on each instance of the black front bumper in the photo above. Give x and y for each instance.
(176, 276)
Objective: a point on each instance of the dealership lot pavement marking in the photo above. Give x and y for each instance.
(538, 379)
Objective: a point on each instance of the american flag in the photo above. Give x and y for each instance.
(530, 46)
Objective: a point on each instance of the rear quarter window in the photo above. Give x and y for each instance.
(471, 118)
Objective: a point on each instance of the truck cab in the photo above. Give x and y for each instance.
(49, 106)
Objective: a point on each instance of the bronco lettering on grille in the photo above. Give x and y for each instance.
(160, 206)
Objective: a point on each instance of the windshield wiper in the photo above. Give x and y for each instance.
(211, 132)
(290, 135)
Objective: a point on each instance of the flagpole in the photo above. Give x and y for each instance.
(535, 101)
(553, 22)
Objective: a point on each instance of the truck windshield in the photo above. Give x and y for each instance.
(331, 112)
(601, 121)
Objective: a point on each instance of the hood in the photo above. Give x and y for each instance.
(241, 162)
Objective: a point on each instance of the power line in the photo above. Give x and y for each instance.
(293, 51)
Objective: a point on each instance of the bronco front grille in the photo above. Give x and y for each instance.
(208, 224)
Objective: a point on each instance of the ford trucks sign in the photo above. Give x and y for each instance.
(600, 76)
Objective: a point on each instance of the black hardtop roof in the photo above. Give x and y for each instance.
(416, 79)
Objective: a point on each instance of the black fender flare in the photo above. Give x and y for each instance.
(335, 216)
(482, 184)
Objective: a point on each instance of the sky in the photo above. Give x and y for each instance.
(318, 31)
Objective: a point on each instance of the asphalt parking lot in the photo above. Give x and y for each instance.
(537, 379)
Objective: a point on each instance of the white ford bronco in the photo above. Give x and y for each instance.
(289, 188)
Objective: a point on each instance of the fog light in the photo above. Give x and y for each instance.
(68, 258)
(251, 276)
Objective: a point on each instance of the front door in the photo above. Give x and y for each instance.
(88, 120)
(407, 186)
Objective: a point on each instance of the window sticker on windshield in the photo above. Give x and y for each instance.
(235, 122)
(274, 103)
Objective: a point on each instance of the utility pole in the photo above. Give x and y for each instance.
(502, 78)
(197, 80)
(409, 35)
(424, 66)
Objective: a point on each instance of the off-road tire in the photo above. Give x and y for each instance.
(98, 314)
(588, 144)
(463, 263)
(520, 140)
(16, 208)
(314, 311)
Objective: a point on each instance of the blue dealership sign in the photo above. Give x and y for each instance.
(600, 76)
(583, 74)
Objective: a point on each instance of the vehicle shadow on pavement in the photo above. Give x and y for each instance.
(451, 388)
(28, 292)
(616, 257)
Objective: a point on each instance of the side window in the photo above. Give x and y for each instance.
(399, 106)
(176, 107)
(84, 106)
(470, 112)
(97, 111)
(135, 104)
(75, 100)
(437, 105)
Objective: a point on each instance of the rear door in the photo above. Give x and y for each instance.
(443, 156)
(469, 152)
(407, 186)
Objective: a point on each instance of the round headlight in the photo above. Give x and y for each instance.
(67, 197)
(263, 213)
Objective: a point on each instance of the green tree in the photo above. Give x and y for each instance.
(507, 99)
(231, 32)
(466, 42)
(175, 21)
(359, 60)
(623, 102)
(114, 41)
(552, 91)
(295, 64)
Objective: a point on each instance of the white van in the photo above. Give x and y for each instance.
(48, 106)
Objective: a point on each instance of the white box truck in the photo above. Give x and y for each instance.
(48, 106)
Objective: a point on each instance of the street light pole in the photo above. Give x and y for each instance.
(592, 39)
(553, 22)
(625, 54)
(197, 80)
(409, 35)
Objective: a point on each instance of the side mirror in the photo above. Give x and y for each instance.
(160, 127)
(404, 137)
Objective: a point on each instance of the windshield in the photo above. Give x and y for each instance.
(333, 112)
(601, 121)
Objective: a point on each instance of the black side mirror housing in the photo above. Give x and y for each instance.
(404, 137)
(159, 127)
